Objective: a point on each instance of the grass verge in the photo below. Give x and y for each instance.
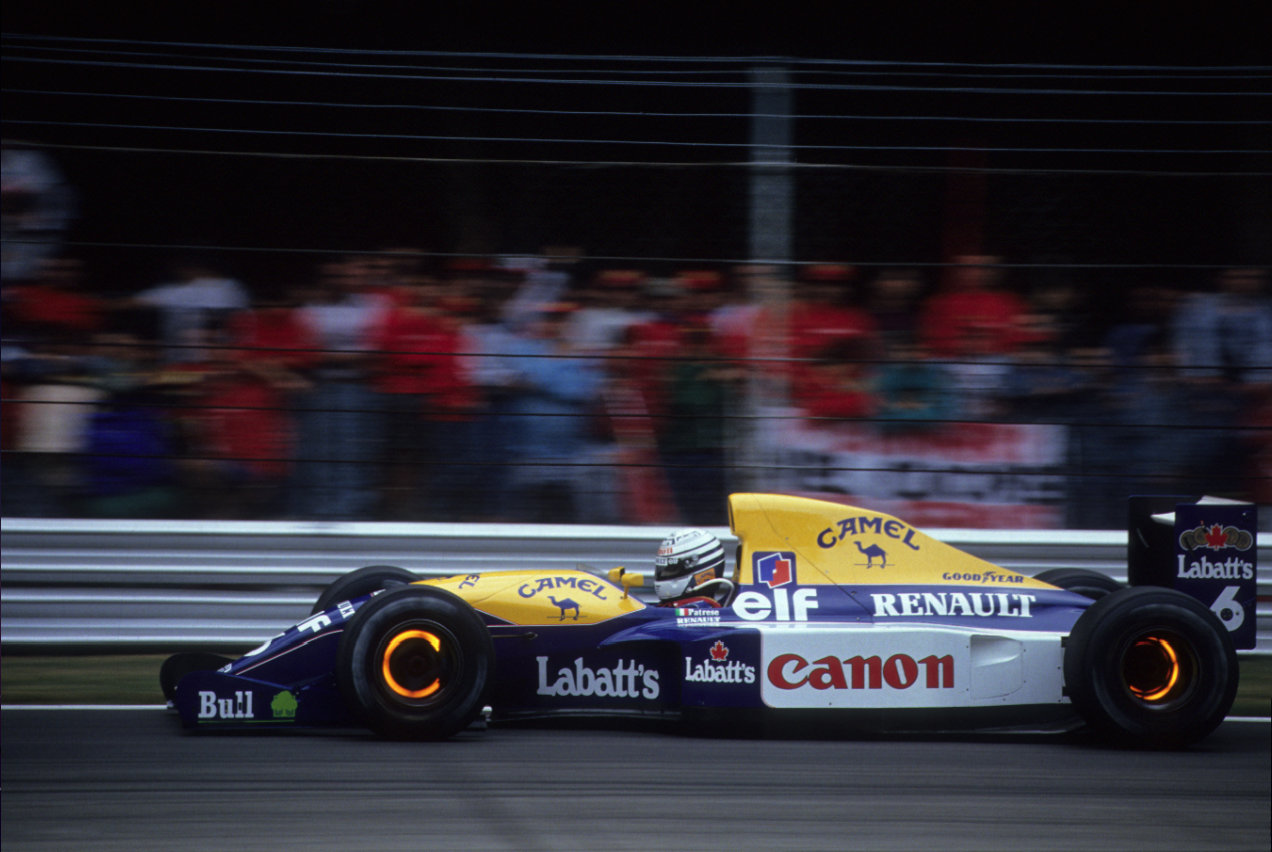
(134, 679)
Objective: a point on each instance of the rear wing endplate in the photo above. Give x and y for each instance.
(1206, 548)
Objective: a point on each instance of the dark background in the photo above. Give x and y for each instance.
(165, 154)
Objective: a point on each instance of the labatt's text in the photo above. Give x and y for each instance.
(705, 671)
(1232, 568)
(627, 679)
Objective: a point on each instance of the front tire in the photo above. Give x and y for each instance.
(364, 581)
(415, 663)
(1149, 666)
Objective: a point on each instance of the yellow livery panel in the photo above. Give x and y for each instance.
(541, 597)
(838, 544)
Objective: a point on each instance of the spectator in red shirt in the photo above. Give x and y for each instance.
(830, 343)
(471, 425)
(974, 315)
(422, 386)
(975, 324)
(52, 384)
(55, 305)
(652, 345)
(836, 384)
(823, 313)
(238, 417)
(680, 306)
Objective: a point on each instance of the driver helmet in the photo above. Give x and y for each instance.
(687, 559)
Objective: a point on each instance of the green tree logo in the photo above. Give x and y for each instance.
(284, 705)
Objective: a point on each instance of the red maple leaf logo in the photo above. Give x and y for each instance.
(1216, 538)
(719, 652)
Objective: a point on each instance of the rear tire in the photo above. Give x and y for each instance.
(1149, 666)
(364, 581)
(415, 663)
(1089, 584)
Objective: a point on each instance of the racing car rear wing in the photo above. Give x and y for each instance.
(1203, 547)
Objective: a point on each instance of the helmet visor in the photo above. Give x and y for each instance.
(671, 568)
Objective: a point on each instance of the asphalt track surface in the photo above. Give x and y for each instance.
(131, 780)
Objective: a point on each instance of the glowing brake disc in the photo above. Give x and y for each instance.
(386, 667)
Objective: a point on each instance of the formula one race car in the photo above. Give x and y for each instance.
(837, 614)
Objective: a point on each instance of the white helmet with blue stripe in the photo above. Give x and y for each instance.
(687, 561)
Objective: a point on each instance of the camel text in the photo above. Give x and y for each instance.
(864, 525)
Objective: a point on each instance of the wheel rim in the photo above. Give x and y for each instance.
(1159, 668)
(416, 664)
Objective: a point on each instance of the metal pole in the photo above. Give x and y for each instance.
(771, 214)
(771, 202)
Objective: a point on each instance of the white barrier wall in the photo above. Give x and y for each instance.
(167, 584)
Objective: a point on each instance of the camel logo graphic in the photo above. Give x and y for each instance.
(565, 606)
(872, 553)
(850, 528)
(775, 568)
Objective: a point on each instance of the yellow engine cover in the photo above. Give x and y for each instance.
(838, 544)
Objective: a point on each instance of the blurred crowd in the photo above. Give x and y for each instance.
(394, 385)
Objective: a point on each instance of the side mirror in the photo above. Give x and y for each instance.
(626, 579)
